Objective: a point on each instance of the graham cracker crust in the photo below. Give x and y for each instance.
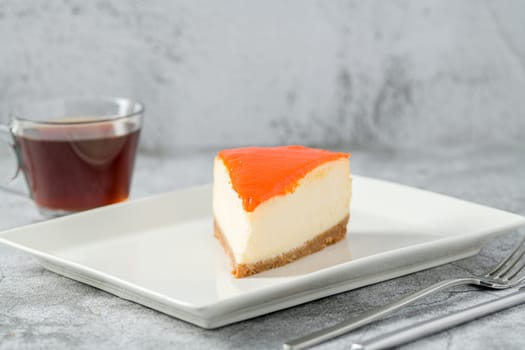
(319, 242)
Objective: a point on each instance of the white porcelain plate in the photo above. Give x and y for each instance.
(160, 251)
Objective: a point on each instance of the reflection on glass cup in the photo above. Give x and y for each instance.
(76, 154)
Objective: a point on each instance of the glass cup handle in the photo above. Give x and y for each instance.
(7, 137)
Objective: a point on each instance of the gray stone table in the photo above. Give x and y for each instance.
(39, 309)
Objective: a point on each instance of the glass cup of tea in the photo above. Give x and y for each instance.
(76, 154)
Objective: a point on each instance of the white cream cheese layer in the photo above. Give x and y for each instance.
(282, 223)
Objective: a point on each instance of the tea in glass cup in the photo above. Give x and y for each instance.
(77, 154)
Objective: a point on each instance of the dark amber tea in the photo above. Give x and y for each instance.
(75, 153)
(77, 167)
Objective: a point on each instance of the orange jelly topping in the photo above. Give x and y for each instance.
(260, 173)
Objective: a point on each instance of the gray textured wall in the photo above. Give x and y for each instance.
(222, 73)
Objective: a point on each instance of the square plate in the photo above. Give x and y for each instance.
(160, 251)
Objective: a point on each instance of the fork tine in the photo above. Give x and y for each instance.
(510, 266)
(516, 269)
(508, 262)
(517, 279)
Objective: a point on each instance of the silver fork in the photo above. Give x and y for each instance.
(506, 274)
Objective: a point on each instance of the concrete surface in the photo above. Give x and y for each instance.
(41, 310)
(428, 93)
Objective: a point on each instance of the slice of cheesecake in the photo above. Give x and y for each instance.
(273, 205)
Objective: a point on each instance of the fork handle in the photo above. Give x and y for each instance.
(371, 316)
(419, 330)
